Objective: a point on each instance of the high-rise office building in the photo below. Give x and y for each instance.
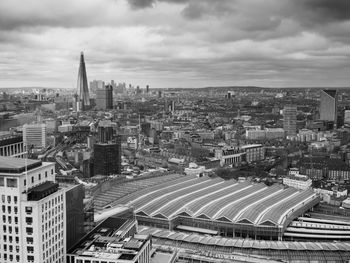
(32, 214)
(104, 98)
(290, 120)
(147, 89)
(328, 105)
(34, 135)
(105, 132)
(95, 85)
(107, 158)
(83, 89)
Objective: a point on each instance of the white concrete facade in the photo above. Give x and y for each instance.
(32, 230)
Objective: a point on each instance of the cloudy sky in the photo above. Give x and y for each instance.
(176, 43)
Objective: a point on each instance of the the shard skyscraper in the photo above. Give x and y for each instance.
(83, 89)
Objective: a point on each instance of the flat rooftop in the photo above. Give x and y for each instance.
(17, 165)
(107, 241)
(7, 139)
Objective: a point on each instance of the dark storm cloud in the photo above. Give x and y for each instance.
(139, 4)
(197, 42)
(328, 9)
(197, 9)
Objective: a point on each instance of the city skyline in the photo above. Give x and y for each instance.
(185, 43)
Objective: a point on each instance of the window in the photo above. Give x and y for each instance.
(11, 182)
(32, 179)
(29, 209)
(29, 220)
(30, 249)
(45, 174)
(9, 199)
(30, 258)
(2, 182)
(39, 177)
(29, 240)
(25, 182)
(29, 230)
(15, 199)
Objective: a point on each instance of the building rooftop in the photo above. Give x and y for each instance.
(108, 240)
(17, 165)
(251, 146)
(42, 190)
(6, 139)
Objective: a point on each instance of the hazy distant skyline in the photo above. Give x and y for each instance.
(176, 43)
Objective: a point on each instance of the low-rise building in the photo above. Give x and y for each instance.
(194, 169)
(253, 152)
(114, 240)
(229, 156)
(297, 180)
(327, 193)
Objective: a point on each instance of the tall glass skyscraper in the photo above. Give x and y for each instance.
(83, 89)
(328, 106)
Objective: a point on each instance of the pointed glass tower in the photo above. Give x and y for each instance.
(83, 89)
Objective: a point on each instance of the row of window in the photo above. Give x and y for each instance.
(51, 203)
(10, 238)
(52, 212)
(9, 220)
(10, 182)
(11, 258)
(54, 257)
(9, 209)
(9, 199)
(9, 229)
(54, 221)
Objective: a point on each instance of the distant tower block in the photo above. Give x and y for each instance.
(83, 88)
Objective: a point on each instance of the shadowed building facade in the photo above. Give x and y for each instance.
(328, 106)
(83, 88)
(107, 158)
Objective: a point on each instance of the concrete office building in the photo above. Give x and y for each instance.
(32, 214)
(253, 152)
(290, 120)
(34, 135)
(12, 146)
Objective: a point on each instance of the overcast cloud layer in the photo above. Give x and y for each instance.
(176, 43)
